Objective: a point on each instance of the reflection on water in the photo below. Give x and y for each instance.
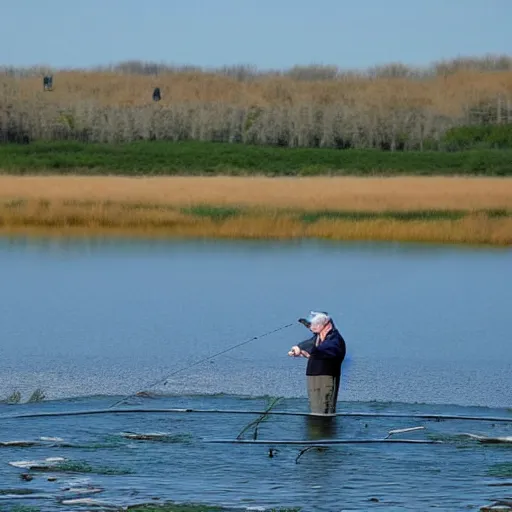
(321, 427)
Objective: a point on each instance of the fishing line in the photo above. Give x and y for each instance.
(165, 379)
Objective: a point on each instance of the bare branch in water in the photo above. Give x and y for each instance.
(319, 448)
(257, 421)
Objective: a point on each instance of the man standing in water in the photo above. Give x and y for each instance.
(325, 351)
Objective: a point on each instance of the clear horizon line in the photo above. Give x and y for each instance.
(246, 65)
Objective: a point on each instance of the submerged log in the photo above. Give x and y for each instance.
(489, 439)
(20, 443)
(498, 506)
(89, 501)
(37, 464)
(150, 436)
(83, 490)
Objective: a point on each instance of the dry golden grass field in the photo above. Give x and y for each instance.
(318, 193)
(300, 108)
(446, 92)
(459, 210)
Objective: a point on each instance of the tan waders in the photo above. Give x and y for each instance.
(323, 394)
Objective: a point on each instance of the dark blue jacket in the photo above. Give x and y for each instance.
(326, 358)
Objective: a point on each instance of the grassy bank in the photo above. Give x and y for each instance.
(450, 210)
(484, 227)
(208, 158)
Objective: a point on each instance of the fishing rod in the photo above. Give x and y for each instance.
(165, 379)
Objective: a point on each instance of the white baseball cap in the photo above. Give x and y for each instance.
(318, 318)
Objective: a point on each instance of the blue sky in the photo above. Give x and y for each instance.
(264, 33)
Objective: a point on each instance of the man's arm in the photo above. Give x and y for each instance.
(303, 348)
(307, 345)
(330, 348)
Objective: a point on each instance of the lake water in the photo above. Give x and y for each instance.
(428, 328)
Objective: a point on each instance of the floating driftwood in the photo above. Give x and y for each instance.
(31, 464)
(89, 501)
(403, 431)
(498, 506)
(26, 443)
(435, 417)
(19, 443)
(150, 436)
(83, 490)
(489, 439)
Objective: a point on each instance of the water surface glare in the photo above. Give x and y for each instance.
(422, 323)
